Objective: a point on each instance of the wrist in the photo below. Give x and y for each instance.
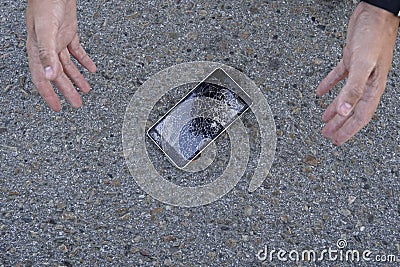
(378, 17)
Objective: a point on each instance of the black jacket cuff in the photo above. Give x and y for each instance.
(392, 6)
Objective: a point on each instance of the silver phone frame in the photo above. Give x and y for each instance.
(213, 140)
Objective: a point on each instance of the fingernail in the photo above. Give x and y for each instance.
(49, 73)
(345, 109)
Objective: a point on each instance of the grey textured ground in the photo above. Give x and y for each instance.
(68, 199)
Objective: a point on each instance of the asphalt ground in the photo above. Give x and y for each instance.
(67, 197)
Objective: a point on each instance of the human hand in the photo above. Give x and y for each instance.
(52, 39)
(366, 63)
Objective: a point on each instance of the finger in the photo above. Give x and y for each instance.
(47, 92)
(334, 125)
(79, 53)
(68, 91)
(72, 72)
(335, 76)
(354, 88)
(330, 112)
(355, 123)
(46, 21)
(38, 78)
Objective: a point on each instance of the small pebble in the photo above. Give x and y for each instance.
(284, 218)
(63, 248)
(125, 217)
(248, 210)
(311, 160)
(345, 212)
(167, 262)
(203, 13)
(211, 255)
(351, 200)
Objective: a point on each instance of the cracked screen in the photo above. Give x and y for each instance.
(199, 118)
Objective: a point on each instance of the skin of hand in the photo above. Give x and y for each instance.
(366, 62)
(52, 39)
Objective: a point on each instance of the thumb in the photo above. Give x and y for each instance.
(353, 90)
(47, 23)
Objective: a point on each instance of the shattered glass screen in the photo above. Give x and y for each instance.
(199, 118)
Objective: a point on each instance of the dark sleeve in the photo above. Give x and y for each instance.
(392, 6)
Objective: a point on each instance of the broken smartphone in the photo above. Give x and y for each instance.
(199, 118)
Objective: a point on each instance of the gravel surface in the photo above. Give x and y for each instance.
(67, 197)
